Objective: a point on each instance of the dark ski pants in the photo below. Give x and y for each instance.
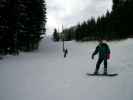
(99, 63)
(65, 53)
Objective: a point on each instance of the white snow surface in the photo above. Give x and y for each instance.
(45, 75)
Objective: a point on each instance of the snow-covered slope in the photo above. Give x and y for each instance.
(45, 75)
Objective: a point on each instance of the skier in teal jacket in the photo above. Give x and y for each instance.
(104, 53)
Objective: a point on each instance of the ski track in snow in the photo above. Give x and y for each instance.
(45, 75)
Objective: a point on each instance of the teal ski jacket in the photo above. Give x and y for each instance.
(103, 50)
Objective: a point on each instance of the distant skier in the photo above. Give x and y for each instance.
(104, 53)
(65, 51)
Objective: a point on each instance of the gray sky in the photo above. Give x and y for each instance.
(72, 12)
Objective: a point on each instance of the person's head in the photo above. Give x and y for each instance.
(100, 40)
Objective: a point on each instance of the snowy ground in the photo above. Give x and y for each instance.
(46, 75)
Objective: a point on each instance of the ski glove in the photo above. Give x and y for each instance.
(108, 56)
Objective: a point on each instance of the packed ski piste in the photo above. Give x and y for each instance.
(46, 74)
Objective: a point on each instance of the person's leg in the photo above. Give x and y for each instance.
(98, 65)
(105, 66)
(65, 53)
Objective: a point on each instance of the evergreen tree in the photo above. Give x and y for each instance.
(32, 19)
(22, 25)
(56, 35)
(116, 24)
(78, 34)
(12, 33)
(3, 25)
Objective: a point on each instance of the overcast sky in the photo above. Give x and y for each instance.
(72, 12)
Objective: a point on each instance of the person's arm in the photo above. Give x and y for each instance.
(108, 52)
(95, 52)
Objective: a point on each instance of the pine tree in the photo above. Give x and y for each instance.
(32, 19)
(55, 35)
(3, 25)
(22, 25)
(12, 33)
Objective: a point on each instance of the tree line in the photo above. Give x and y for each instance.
(114, 25)
(22, 24)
